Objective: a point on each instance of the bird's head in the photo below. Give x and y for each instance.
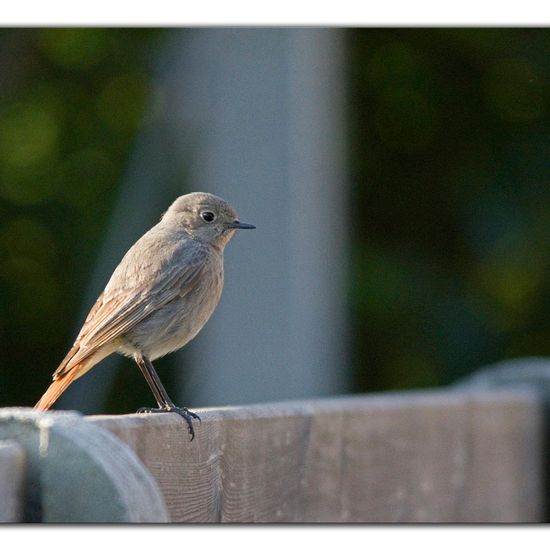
(205, 217)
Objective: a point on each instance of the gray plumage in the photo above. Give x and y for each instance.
(161, 294)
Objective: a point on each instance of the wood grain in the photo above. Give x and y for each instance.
(440, 456)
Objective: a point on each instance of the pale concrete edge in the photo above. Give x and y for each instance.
(12, 471)
(143, 498)
(135, 485)
(526, 372)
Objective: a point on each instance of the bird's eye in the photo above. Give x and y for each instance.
(208, 216)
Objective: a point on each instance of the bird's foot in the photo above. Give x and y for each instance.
(185, 413)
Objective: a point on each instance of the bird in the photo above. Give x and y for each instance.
(158, 298)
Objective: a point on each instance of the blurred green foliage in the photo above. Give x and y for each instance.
(449, 153)
(450, 200)
(71, 102)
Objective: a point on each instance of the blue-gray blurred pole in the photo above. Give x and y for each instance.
(271, 141)
(256, 116)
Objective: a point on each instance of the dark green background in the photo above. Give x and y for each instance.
(450, 195)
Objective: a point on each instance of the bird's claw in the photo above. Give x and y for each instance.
(185, 413)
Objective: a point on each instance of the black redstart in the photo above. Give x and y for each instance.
(158, 298)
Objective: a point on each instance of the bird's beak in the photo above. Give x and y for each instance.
(240, 225)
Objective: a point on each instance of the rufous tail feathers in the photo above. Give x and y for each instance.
(56, 388)
(70, 369)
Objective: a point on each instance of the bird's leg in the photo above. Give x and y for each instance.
(140, 360)
(161, 395)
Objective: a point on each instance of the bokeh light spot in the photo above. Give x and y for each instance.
(121, 104)
(28, 134)
(73, 47)
(27, 185)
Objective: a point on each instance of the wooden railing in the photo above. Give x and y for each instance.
(467, 454)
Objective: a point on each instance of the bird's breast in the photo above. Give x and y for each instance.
(179, 321)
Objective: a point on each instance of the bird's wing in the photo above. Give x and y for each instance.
(130, 297)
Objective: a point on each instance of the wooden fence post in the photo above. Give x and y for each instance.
(431, 456)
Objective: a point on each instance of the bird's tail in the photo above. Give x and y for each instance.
(57, 387)
(72, 367)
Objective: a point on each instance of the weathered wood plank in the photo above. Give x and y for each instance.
(12, 471)
(440, 456)
(399, 460)
(262, 464)
(505, 478)
(187, 472)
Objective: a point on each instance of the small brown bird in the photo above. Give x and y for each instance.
(159, 297)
